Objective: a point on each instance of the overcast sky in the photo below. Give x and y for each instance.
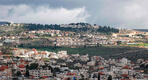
(117, 13)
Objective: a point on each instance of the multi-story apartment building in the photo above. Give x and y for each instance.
(68, 41)
(40, 73)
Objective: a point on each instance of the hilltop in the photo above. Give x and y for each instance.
(82, 38)
(9, 28)
(74, 27)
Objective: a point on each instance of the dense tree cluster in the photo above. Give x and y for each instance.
(105, 29)
(55, 27)
(82, 24)
(85, 28)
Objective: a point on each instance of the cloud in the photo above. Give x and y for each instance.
(42, 14)
(118, 13)
(121, 13)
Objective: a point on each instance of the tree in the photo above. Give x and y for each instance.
(119, 42)
(98, 76)
(56, 69)
(27, 73)
(82, 77)
(18, 73)
(33, 66)
(110, 77)
(27, 67)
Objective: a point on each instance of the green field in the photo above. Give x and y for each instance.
(86, 50)
(139, 44)
(106, 52)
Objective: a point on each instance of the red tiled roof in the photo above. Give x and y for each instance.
(101, 73)
(101, 68)
(71, 74)
(124, 75)
(14, 48)
(3, 67)
(1, 53)
(126, 67)
(44, 77)
(21, 66)
(21, 60)
(25, 62)
(33, 49)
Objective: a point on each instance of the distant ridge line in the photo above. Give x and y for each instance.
(143, 30)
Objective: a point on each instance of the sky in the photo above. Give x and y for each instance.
(130, 14)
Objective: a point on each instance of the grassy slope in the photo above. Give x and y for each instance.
(106, 52)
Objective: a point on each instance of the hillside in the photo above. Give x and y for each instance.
(10, 30)
(74, 27)
(131, 53)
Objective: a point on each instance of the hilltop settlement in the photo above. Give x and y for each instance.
(44, 52)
